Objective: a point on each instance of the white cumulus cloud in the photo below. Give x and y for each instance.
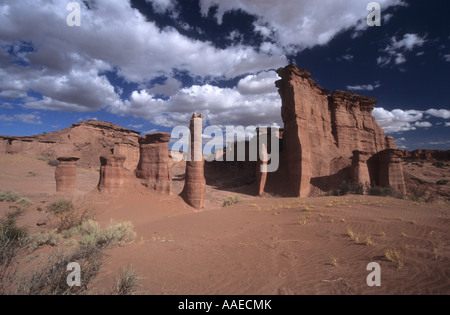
(301, 24)
(396, 49)
(397, 120)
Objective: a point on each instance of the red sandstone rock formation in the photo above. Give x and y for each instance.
(360, 169)
(132, 154)
(112, 173)
(321, 132)
(195, 183)
(387, 170)
(154, 164)
(65, 174)
(429, 155)
(89, 140)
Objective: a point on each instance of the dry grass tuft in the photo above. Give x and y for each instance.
(395, 256)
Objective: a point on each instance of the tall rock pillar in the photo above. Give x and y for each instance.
(195, 183)
(66, 174)
(112, 173)
(360, 169)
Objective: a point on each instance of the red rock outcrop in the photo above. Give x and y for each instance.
(321, 131)
(387, 170)
(195, 184)
(66, 174)
(428, 155)
(89, 140)
(360, 168)
(154, 164)
(112, 173)
(131, 153)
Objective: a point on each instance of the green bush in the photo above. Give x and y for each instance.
(349, 187)
(113, 236)
(230, 201)
(383, 192)
(51, 238)
(53, 162)
(9, 231)
(60, 207)
(70, 215)
(9, 196)
(24, 202)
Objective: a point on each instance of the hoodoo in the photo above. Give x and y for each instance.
(66, 174)
(195, 183)
(112, 173)
(154, 164)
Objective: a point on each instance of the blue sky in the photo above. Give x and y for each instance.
(148, 64)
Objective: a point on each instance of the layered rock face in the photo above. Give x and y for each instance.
(195, 184)
(154, 164)
(321, 131)
(131, 153)
(354, 127)
(112, 173)
(387, 170)
(89, 140)
(66, 174)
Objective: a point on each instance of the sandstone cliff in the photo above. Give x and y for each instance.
(321, 131)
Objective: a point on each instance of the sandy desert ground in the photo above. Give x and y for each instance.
(257, 246)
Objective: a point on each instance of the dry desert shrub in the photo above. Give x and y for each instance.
(11, 196)
(51, 238)
(127, 282)
(368, 241)
(230, 201)
(334, 262)
(115, 235)
(51, 278)
(70, 214)
(394, 255)
(350, 233)
(12, 241)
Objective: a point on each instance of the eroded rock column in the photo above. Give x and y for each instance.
(390, 170)
(66, 174)
(360, 169)
(112, 173)
(154, 163)
(195, 183)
